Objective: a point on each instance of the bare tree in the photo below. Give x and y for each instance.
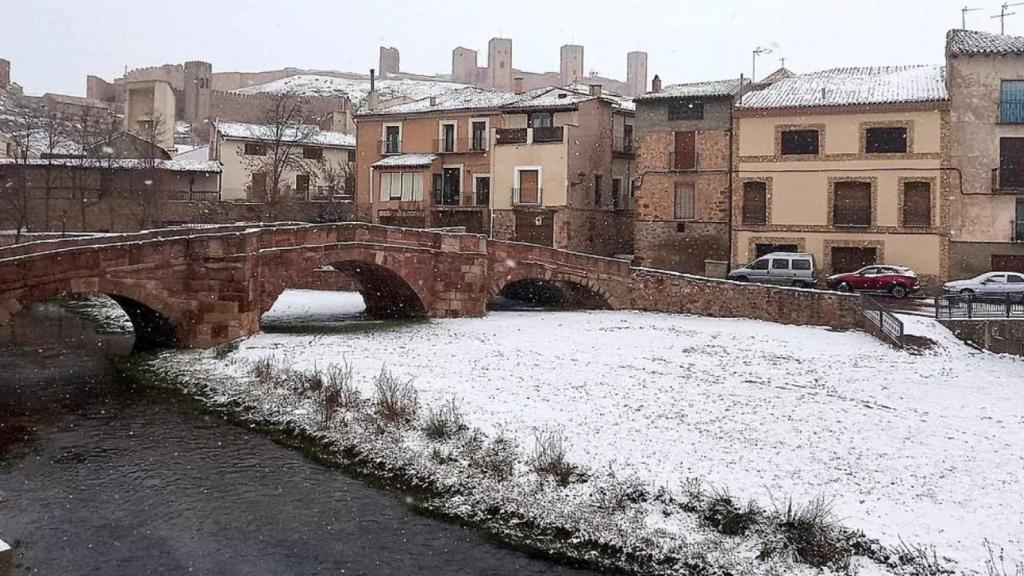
(87, 136)
(15, 180)
(141, 186)
(279, 140)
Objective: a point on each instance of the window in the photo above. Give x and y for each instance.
(917, 204)
(1018, 223)
(780, 264)
(685, 110)
(313, 153)
(392, 140)
(801, 264)
(404, 186)
(886, 140)
(255, 149)
(540, 120)
(598, 181)
(448, 138)
(799, 142)
(483, 190)
(685, 155)
(684, 202)
(302, 183)
(479, 138)
(760, 265)
(755, 203)
(1011, 107)
(616, 193)
(1014, 279)
(627, 138)
(851, 204)
(1011, 163)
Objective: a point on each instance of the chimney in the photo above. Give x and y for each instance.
(656, 84)
(517, 85)
(595, 90)
(371, 96)
(433, 101)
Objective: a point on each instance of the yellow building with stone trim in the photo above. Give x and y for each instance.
(849, 165)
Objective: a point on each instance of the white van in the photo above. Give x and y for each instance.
(781, 268)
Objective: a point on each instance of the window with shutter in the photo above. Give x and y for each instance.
(685, 155)
(851, 205)
(885, 140)
(917, 204)
(755, 203)
(799, 142)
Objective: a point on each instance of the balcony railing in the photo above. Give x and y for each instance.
(527, 196)
(390, 146)
(460, 146)
(683, 162)
(1011, 112)
(623, 145)
(510, 136)
(330, 194)
(1018, 230)
(194, 196)
(548, 134)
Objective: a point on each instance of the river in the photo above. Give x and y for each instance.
(98, 476)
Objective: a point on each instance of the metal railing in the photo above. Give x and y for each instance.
(1011, 112)
(534, 196)
(510, 136)
(683, 163)
(460, 146)
(390, 146)
(979, 306)
(887, 326)
(1018, 230)
(330, 194)
(1002, 181)
(548, 134)
(194, 196)
(623, 145)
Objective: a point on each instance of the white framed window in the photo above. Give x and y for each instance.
(685, 201)
(401, 186)
(479, 134)
(447, 136)
(391, 138)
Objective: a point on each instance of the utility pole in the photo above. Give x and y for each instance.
(753, 68)
(1003, 14)
(963, 16)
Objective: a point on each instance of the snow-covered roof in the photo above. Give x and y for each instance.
(175, 165)
(975, 43)
(405, 161)
(468, 98)
(304, 134)
(566, 97)
(355, 87)
(197, 153)
(707, 89)
(853, 86)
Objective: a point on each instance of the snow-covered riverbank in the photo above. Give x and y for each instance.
(927, 448)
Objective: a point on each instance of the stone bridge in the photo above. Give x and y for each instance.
(201, 287)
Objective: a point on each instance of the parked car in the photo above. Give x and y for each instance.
(989, 283)
(783, 268)
(895, 280)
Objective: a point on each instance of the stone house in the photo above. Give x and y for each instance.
(985, 77)
(427, 163)
(847, 164)
(562, 170)
(316, 165)
(684, 137)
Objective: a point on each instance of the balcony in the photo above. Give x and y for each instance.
(624, 146)
(684, 162)
(527, 196)
(461, 146)
(510, 136)
(1018, 230)
(548, 134)
(390, 146)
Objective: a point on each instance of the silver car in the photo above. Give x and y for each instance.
(988, 283)
(782, 268)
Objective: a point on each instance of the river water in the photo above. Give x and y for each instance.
(98, 476)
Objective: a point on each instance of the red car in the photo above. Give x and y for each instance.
(895, 280)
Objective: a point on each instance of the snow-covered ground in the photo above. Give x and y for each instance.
(927, 447)
(355, 88)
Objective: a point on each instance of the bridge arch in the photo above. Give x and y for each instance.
(554, 290)
(155, 320)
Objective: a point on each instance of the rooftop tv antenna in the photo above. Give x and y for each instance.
(963, 16)
(753, 68)
(1003, 14)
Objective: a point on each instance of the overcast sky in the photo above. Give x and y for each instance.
(54, 44)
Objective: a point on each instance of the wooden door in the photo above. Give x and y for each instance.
(849, 259)
(686, 151)
(259, 187)
(529, 187)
